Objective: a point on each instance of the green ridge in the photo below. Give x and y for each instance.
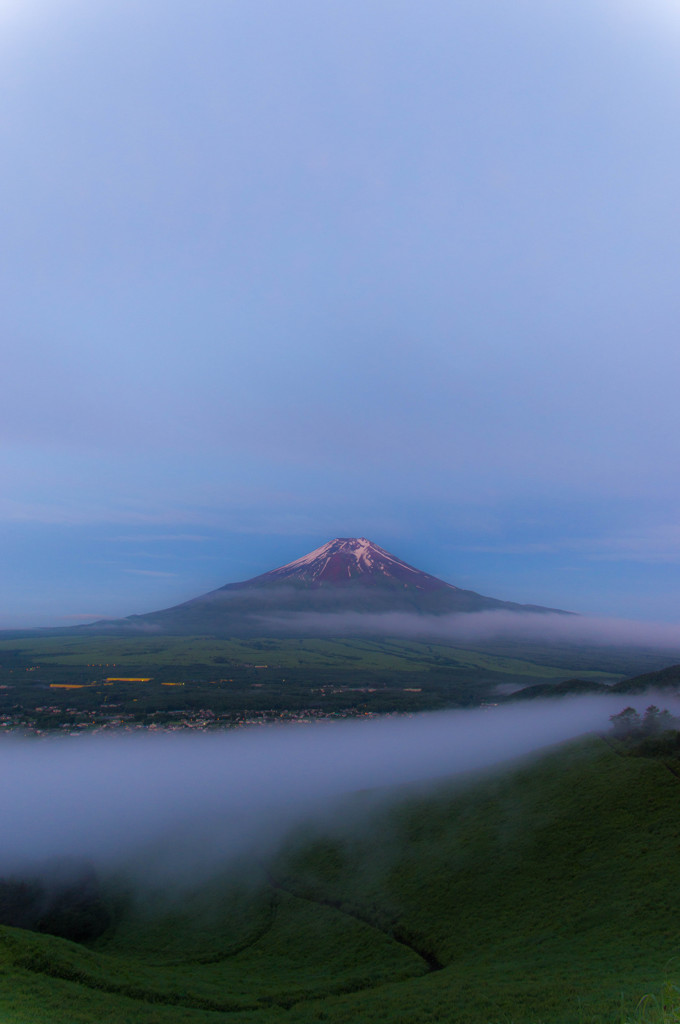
(547, 893)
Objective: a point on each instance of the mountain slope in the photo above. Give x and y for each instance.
(318, 593)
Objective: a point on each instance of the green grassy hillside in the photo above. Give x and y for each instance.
(366, 654)
(548, 893)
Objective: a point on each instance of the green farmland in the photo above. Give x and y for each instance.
(60, 681)
(357, 654)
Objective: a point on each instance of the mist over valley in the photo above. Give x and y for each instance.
(186, 804)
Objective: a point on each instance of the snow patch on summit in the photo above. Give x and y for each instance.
(353, 558)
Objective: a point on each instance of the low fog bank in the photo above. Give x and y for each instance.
(545, 627)
(178, 806)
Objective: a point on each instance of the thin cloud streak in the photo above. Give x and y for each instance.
(659, 543)
(491, 625)
(84, 615)
(149, 572)
(142, 538)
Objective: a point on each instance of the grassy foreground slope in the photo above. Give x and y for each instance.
(549, 893)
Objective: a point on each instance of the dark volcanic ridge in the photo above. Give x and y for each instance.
(324, 592)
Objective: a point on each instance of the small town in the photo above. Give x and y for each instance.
(76, 722)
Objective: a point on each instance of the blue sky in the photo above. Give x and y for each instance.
(274, 273)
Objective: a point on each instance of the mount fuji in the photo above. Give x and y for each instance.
(348, 575)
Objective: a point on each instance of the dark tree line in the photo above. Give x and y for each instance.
(656, 733)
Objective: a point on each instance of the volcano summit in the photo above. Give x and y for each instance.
(348, 576)
(350, 560)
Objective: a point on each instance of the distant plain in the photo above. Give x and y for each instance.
(149, 676)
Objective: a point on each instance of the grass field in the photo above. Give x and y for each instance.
(75, 681)
(547, 894)
(359, 654)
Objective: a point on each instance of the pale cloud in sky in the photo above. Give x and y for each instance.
(660, 543)
(276, 275)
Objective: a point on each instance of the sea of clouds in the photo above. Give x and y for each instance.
(164, 805)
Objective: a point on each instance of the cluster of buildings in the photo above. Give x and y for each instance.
(49, 719)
